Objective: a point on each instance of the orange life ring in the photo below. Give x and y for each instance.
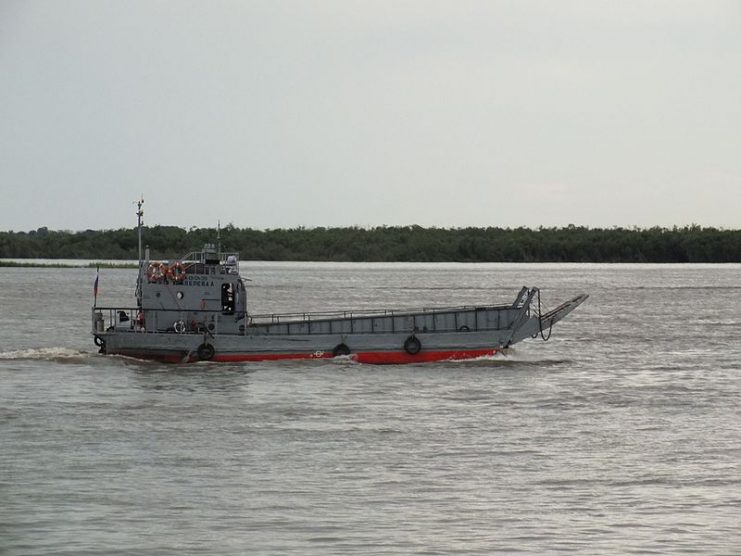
(176, 272)
(156, 272)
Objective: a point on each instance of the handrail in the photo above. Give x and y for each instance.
(340, 313)
(199, 256)
(157, 320)
(306, 316)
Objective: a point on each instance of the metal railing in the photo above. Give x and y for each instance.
(208, 321)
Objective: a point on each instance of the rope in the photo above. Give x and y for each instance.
(540, 322)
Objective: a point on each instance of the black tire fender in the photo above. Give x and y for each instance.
(341, 349)
(100, 342)
(206, 352)
(412, 345)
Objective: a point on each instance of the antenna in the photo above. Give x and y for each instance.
(139, 224)
(218, 238)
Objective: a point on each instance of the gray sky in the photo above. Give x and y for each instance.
(331, 113)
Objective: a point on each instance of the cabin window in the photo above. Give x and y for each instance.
(227, 298)
(180, 295)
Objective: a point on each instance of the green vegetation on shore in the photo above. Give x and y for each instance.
(393, 243)
(72, 263)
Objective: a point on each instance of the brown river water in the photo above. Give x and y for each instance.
(620, 435)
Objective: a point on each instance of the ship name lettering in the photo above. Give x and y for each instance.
(199, 281)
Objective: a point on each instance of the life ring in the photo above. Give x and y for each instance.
(412, 345)
(156, 272)
(206, 352)
(341, 349)
(179, 326)
(176, 272)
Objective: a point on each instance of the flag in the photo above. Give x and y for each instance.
(95, 286)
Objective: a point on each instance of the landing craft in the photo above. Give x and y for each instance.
(195, 309)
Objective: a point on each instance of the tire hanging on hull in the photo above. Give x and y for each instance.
(412, 345)
(100, 342)
(341, 349)
(206, 352)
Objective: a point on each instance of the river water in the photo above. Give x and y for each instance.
(620, 435)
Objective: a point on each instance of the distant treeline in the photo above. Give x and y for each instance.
(393, 243)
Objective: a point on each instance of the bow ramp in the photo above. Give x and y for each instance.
(540, 323)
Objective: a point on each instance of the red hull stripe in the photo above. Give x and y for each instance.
(367, 357)
(402, 357)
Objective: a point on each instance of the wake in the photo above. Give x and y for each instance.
(56, 354)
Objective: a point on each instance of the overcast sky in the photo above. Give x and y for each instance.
(330, 113)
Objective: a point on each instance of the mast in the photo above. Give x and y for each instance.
(218, 238)
(139, 223)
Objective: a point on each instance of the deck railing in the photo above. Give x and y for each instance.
(458, 318)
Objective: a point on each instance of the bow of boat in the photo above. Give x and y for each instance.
(552, 317)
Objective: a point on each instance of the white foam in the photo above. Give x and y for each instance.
(44, 354)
